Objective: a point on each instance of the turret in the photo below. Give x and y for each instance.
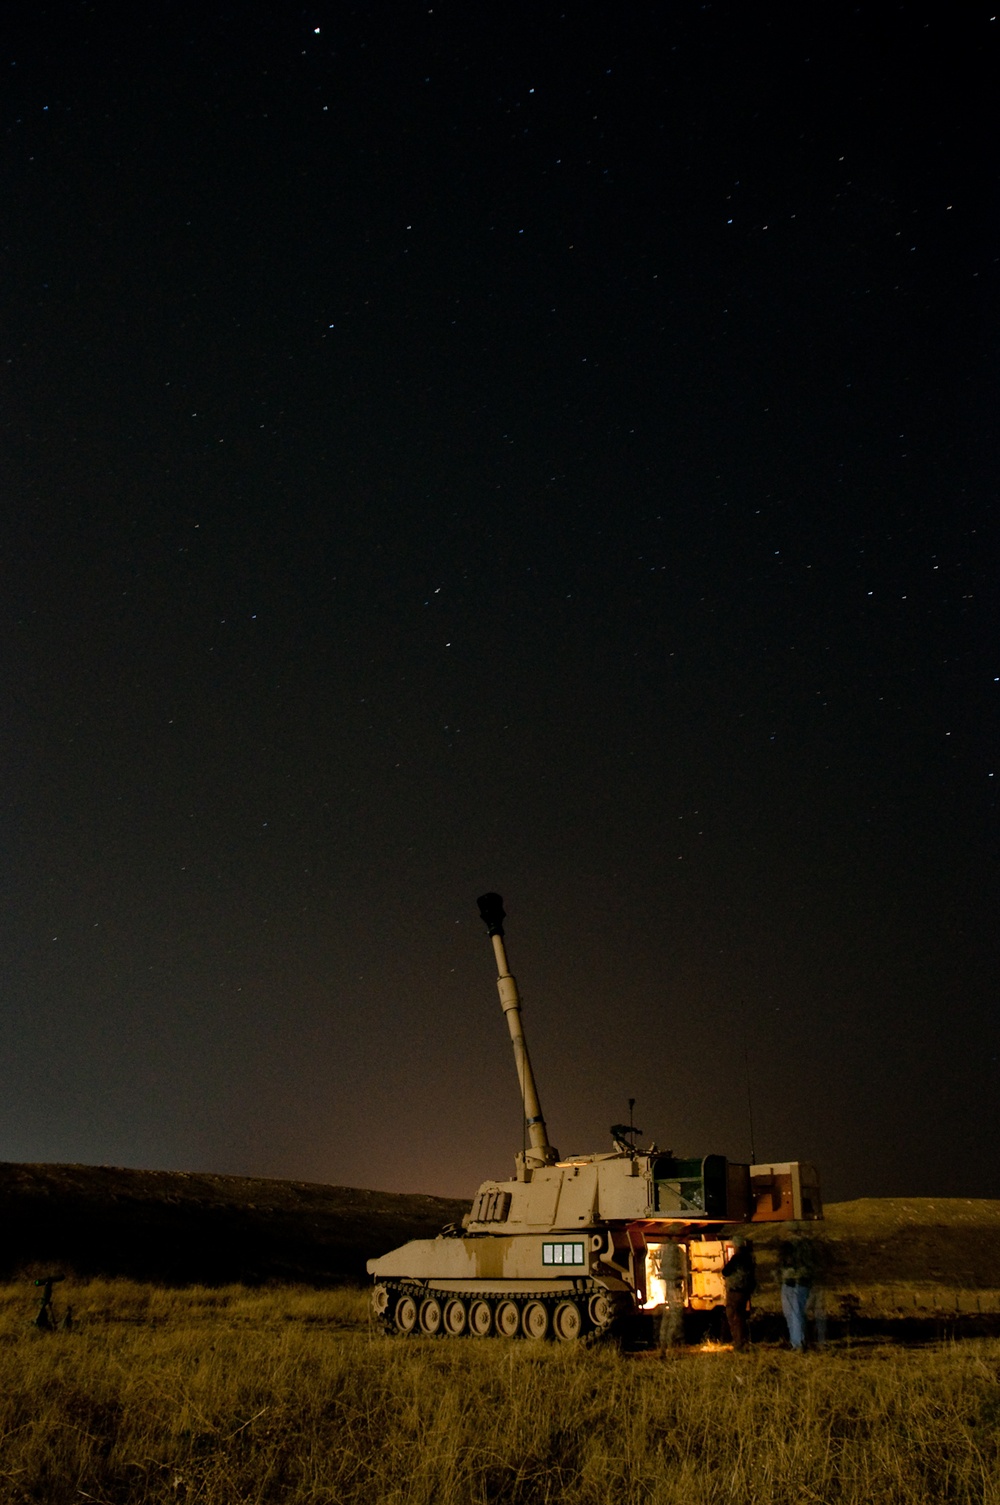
(538, 1151)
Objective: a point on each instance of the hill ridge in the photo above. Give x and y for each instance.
(202, 1226)
(208, 1228)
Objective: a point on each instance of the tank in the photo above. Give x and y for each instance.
(570, 1249)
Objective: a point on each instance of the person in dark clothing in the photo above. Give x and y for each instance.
(740, 1276)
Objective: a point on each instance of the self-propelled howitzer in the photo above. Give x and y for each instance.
(569, 1248)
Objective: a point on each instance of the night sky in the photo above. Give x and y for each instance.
(541, 448)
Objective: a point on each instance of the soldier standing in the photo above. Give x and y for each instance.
(796, 1262)
(816, 1304)
(795, 1270)
(670, 1268)
(740, 1276)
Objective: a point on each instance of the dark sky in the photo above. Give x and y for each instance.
(500, 446)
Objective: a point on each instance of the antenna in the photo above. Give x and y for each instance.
(746, 1068)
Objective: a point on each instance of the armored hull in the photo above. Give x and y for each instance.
(571, 1248)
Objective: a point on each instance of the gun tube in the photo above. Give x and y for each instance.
(539, 1152)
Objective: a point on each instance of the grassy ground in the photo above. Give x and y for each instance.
(228, 1396)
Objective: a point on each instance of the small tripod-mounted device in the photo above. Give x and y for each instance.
(44, 1318)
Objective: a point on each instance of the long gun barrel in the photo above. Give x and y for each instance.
(539, 1151)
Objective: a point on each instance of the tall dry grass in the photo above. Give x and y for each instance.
(232, 1396)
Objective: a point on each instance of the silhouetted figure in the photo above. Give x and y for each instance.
(816, 1304)
(740, 1276)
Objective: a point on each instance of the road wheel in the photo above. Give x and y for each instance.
(601, 1309)
(406, 1314)
(454, 1317)
(567, 1322)
(508, 1319)
(535, 1320)
(430, 1316)
(480, 1319)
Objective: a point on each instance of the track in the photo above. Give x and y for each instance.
(405, 1308)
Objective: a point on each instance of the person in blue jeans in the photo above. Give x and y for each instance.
(796, 1270)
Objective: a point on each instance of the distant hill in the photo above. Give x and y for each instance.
(945, 1241)
(181, 1227)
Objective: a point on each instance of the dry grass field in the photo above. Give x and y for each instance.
(228, 1395)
